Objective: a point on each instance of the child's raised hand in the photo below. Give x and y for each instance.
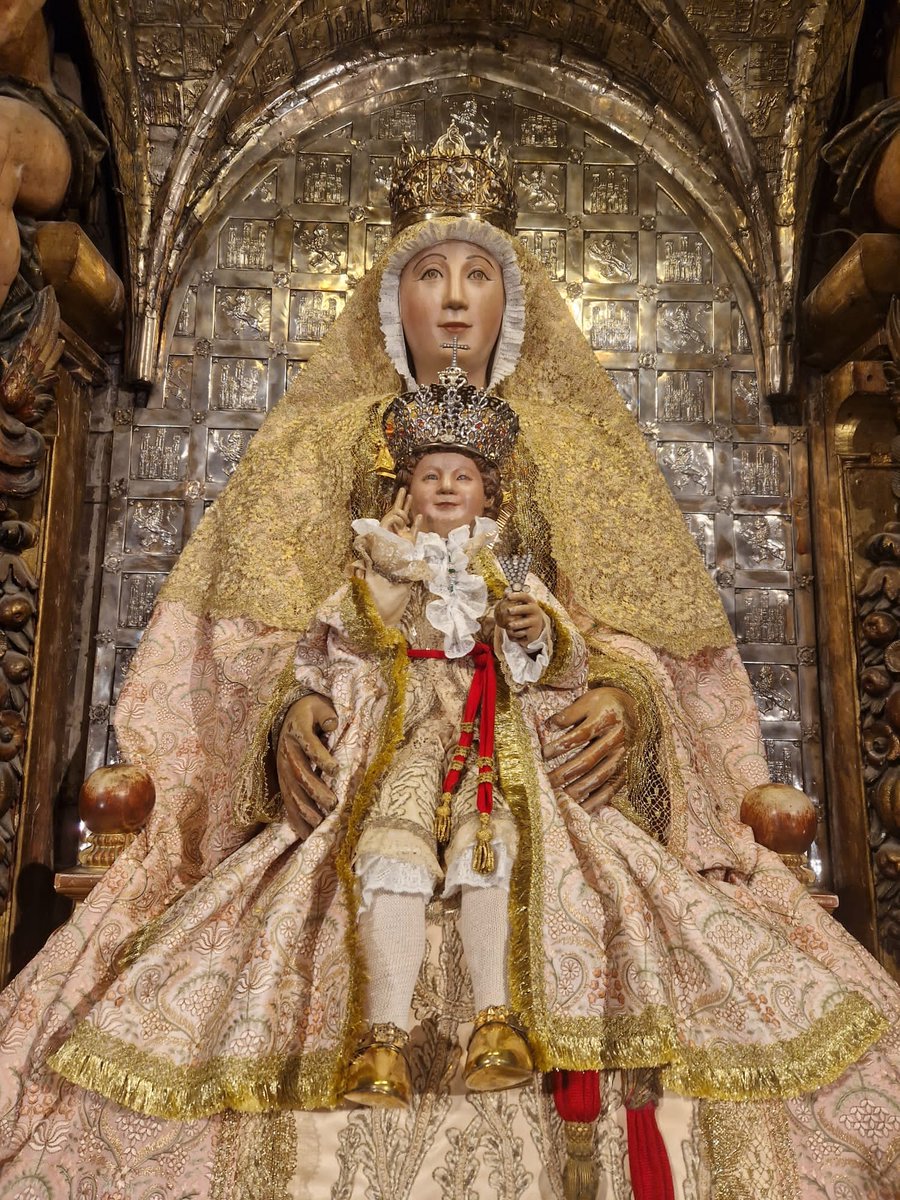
(397, 517)
(521, 616)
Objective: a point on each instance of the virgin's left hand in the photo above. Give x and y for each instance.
(521, 616)
(600, 726)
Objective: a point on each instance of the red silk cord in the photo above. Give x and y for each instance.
(577, 1095)
(481, 702)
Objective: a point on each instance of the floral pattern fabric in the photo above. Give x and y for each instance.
(245, 959)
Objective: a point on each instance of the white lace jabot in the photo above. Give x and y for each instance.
(461, 598)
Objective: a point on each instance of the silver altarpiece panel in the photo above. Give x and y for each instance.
(654, 291)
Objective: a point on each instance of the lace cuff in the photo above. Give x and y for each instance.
(527, 663)
(379, 874)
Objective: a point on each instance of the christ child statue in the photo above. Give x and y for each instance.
(438, 823)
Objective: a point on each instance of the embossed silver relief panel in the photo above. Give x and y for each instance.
(159, 453)
(238, 384)
(649, 289)
(610, 257)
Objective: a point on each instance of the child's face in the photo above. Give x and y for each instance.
(446, 491)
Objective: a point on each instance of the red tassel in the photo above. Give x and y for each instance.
(577, 1095)
(648, 1161)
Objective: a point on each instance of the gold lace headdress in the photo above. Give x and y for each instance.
(450, 179)
(270, 548)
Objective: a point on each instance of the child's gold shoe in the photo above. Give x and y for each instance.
(498, 1056)
(379, 1073)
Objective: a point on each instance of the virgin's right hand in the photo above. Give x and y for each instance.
(300, 758)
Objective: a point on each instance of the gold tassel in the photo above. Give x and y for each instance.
(580, 1177)
(483, 850)
(442, 820)
(384, 463)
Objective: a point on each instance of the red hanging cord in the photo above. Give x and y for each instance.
(481, 702)
(648, 1160)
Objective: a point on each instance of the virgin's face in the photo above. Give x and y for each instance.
(446, 491)
(451, 288)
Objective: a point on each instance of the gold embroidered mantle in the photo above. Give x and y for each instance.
(620, 957)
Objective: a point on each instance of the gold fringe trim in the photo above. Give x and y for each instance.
(778, 1071)
(786, 1069)
(149, 1084)
(253, 803)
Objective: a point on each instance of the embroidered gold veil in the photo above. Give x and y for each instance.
(588, 497)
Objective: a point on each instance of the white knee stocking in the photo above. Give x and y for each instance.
(392, 936)
(484, 929)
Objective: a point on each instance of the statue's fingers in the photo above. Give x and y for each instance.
(575, 735)
(301, 816)
(587, 759)
(318, 753)
(321, 795)
(602, 796)
(571, 715)
(606, 719)
(579, 789)
(304, 727)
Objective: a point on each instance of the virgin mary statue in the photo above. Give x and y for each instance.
(189, 1032)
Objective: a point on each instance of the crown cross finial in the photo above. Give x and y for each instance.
(453, 376)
